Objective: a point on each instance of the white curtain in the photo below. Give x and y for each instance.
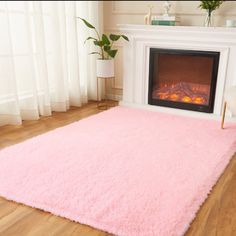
(44, 64)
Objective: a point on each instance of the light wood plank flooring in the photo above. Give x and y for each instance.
(217, 216)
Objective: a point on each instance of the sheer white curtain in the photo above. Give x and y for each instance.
(44, 65)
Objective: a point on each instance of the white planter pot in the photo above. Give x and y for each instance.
(105, 68)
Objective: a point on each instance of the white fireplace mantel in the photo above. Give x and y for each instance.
(144, 37)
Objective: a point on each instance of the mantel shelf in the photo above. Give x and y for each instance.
(151, 28)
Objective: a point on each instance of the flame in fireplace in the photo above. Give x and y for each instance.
(183, 92)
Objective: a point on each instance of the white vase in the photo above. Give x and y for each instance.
(105, 68)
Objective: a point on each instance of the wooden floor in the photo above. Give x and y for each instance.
(217, 216)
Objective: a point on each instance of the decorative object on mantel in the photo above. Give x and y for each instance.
(147, 18)
(230, 103)
(167, 6)
(209, 6)
(105, 64)
(230, 23)
(166, 18)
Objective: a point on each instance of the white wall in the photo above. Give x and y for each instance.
(133, 12)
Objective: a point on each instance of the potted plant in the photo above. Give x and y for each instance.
(209, 6)
(105, 62)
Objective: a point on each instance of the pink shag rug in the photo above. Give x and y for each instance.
(130, 172)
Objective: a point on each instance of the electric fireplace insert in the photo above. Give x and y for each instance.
(184, 79)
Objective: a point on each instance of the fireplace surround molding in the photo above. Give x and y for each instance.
(136, 59)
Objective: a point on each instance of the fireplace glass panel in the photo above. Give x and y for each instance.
(183, 78)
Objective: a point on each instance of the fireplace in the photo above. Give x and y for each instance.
(183, 79)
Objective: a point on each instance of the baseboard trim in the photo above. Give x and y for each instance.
(178, 111)
(115, 97)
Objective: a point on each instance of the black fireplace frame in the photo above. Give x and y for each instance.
(181, 105)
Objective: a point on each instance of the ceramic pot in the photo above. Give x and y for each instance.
(105, 68)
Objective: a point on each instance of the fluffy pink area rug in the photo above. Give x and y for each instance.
(127, 171)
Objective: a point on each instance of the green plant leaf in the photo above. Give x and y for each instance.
(95, 53)
(98, 43)
(107, 48)
(87, 23)
(114, 37)
(105, 40)
(125, 37)
(112, 53)
(210, 5)
(89, 38)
